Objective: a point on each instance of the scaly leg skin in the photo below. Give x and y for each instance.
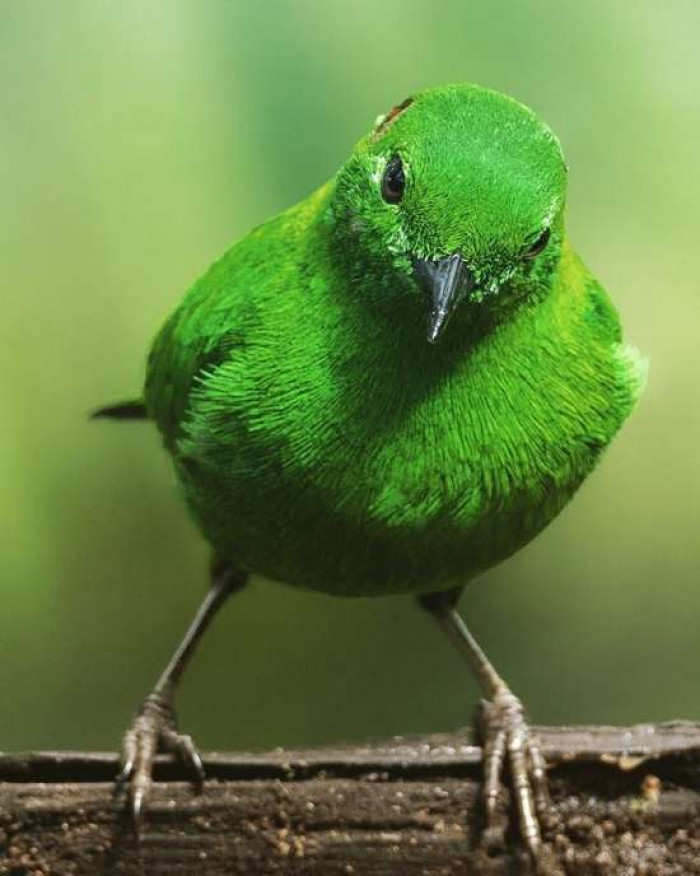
(154, 728)
(506, 736)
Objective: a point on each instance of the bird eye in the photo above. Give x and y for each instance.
(393, 181)
(536, 248)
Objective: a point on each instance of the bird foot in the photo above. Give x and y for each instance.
(154, 729)
(508, 738)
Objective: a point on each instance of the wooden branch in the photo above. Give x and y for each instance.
(627, 801)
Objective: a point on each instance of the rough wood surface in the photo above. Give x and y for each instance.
(627, 802)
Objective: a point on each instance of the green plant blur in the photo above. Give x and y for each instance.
(137, 140)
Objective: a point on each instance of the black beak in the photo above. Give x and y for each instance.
(445, 280)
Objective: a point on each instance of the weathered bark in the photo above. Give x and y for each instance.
(626, 801)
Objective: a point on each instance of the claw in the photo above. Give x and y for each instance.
(153, 729)
(136, 809)
(127, 760)
(123, 777)
(194, 759)
(184, 748)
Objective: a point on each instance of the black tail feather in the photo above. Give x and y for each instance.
(128, 410)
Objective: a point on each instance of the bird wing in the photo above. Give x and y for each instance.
(202, 333)
(217, 315)
(189, 346)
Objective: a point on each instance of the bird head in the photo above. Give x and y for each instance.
(457, 195)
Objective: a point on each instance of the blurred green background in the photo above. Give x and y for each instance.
(137, 140)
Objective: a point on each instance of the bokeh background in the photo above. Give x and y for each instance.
(137, 140)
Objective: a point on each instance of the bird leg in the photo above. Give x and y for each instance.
(155, 726)
(506, 734)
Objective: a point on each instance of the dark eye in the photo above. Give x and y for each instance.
(393, 181)
(536, 248)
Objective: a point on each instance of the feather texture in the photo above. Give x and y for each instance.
(320, 440)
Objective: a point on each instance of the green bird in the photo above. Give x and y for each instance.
(391, 387)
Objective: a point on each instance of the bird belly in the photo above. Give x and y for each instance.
(372, 522)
